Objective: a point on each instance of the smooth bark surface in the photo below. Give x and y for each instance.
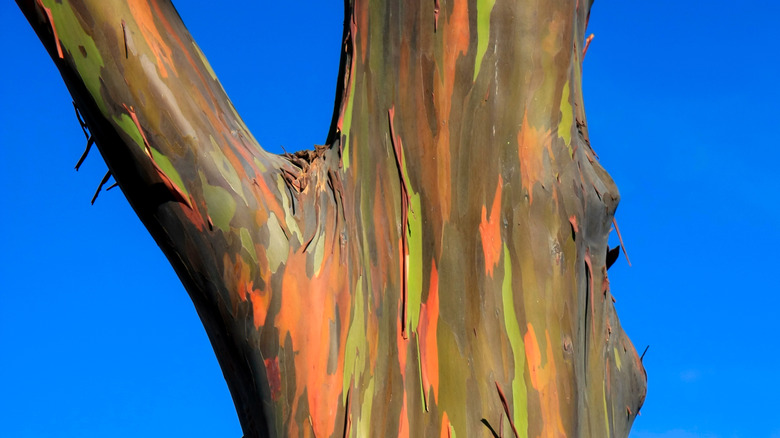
(438, 268)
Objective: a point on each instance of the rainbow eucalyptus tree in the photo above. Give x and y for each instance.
(439, 267)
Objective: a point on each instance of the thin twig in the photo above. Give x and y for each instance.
(90, 142)
(614, 222)
(641, 358)
(82, 123)
(587, 44)
(100, 187)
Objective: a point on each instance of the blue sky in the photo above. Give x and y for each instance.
(98, 338)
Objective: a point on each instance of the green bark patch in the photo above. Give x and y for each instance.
(205, 61)
(220, 205)
(452, 387)
(278, 246)
(127, 125)
(415, 261)
(356, 346)
(260, 166)
(364, 420)
(248, 245)
(226, 169)
(317, 250)
(289, 220)
(347, 124)
(519, 401)
(81, 47)
(567, 118)
(165, 165)
(484, 8)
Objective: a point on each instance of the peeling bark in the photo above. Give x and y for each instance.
(439, 267)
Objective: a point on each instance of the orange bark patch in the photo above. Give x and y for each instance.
(241, 274)
(531, 142)
(456, 43)
(490, 231)
(543, 380)
(456, 40)
(260, 301)
(429, 320)
(142, 14)
(194, 215)
(573, 222)
(307, 315)
(403, 421)
(236, 164)
(445, 426)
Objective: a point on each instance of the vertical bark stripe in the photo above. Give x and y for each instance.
(543, 380)
(512, 325)
(429, 320)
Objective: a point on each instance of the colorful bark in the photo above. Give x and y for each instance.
(430, 270)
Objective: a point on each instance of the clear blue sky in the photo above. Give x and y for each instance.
(98, 338)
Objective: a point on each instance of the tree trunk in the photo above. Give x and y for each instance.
(439, 267)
